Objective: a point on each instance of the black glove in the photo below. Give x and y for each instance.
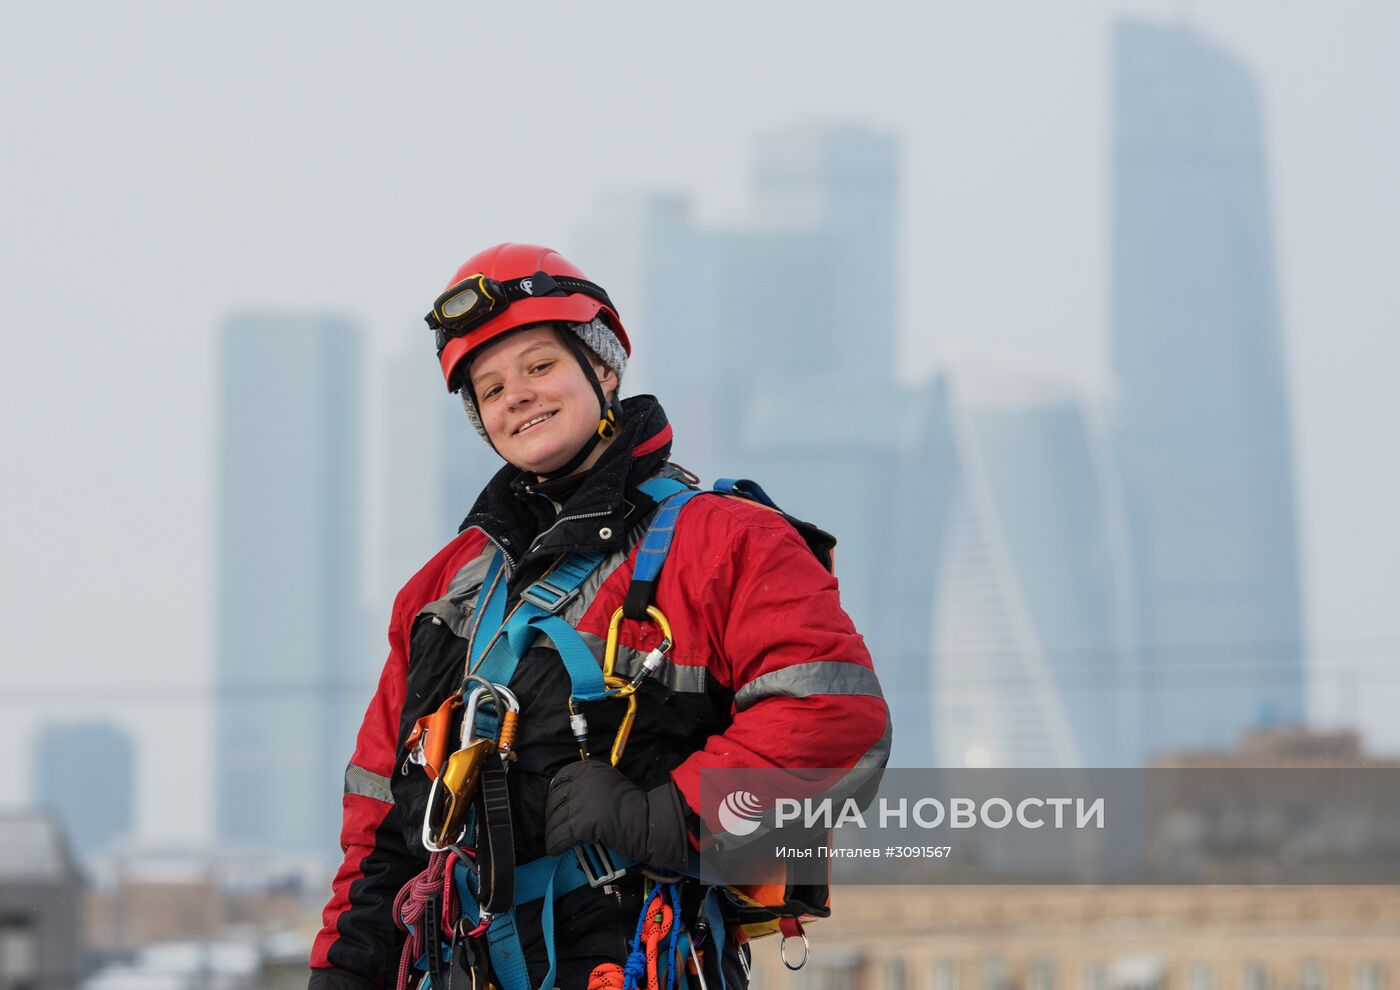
(591, 801)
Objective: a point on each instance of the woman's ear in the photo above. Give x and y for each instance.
(607, 380)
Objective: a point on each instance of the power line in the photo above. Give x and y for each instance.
(1153, 676)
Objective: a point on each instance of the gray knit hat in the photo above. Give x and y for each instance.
(598, 337)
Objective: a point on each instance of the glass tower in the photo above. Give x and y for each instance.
(1202, 430)
(290, 687)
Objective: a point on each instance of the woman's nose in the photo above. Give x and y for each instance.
(518, 393)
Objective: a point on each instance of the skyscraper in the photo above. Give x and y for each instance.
(753, 336)
(1202, 417)
(290, 681)
(434, 464)
(834, 191)
(85, 773)
(415, 523)
(881, 477)
(1034, 660)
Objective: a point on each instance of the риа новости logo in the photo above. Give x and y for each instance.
(740, 812)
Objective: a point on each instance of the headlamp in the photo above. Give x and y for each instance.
(478, 298)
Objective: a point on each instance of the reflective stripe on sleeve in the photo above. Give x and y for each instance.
(879, 754)
(806, 679)
(362, 783)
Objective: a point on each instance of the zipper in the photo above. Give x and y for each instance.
(561, 520)
(505, 554)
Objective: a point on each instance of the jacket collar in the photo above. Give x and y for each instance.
(597, 513)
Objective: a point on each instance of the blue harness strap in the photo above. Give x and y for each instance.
(544, 601)
(655, 544)
(550, 878)
(494, 656)
(745, 488)
(716, 922)
(539, 614)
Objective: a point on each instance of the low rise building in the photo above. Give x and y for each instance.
(41, 902)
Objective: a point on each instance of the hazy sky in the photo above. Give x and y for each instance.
(166, 164)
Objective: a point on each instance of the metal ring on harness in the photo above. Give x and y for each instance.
(806, 951)
(493, 689)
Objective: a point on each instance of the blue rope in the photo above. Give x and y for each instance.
(675, 935)
(636, 967)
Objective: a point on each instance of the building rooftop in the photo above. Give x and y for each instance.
(33, 847)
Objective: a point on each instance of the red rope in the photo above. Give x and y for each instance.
(412, 902)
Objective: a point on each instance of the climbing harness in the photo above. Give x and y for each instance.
(469, 802)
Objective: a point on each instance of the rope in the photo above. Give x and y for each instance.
(654, 924)
(606, 976)
(412, 902)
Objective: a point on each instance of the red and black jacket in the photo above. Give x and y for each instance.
(766, 671)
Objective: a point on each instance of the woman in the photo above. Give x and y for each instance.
(766, 669)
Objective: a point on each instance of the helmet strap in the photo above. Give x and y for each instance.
(609, 410)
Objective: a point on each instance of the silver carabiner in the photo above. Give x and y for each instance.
(502, 699)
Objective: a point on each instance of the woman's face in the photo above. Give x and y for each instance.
(533, 399)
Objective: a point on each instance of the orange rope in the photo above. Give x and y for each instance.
(605, 976)
(658, 926)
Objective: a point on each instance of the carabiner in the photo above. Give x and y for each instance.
(498, 695)
(494, 690)
(653, 659)
(445, 818)
(578, 725)
(578, 721)
(624, 730)
(620, 687)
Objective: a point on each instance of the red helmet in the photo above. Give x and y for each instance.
(510, 286)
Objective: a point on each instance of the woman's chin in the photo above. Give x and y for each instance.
(539, 462)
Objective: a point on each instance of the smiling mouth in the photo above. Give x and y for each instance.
(531, 423)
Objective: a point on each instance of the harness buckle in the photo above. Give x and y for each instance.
(597, 864)
(546, 596)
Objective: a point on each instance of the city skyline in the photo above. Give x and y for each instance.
(1002, 253)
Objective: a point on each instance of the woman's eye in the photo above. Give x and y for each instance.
(491, 392)
(542, 367)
